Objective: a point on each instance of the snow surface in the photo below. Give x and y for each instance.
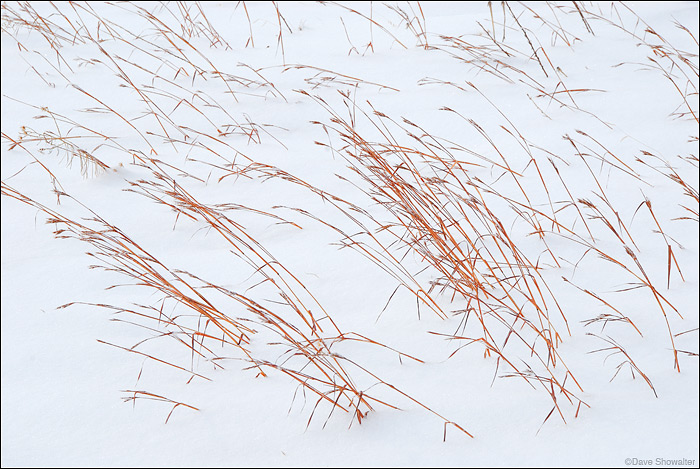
(199, 94)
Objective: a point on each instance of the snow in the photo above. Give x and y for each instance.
(257, 121)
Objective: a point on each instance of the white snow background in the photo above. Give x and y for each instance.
(357, 234)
